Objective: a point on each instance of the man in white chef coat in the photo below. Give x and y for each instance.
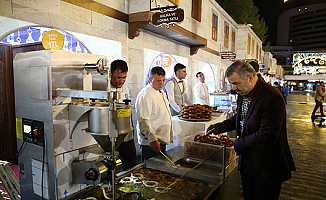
(176, 89)
(154, 125)
(201, 90)
(127, 150)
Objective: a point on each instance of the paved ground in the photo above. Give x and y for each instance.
(307, 141)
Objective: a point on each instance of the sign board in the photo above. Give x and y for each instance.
(52, 40)
(228, 56)
(168, 17)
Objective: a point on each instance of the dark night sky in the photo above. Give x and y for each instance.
(270, 10)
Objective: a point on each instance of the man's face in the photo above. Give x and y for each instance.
(157, 81)
(241, 86)
(322, 84)
(181, 74)
(118, 78)
(201, 78)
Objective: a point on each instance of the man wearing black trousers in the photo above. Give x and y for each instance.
(265, 160)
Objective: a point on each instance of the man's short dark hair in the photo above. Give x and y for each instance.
(178, 67)
(275, 83)
(157, 70)
(198, 74)
(255, 65)
(243, 69)
(120, 65)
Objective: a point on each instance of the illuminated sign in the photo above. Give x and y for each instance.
(309, 63)
(168, 17)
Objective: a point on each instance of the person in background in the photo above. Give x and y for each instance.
(278, 87)
(176, 90)
(285, 92)
(127, 149)
(154, 126)
(255, 65)
(265, 160)
(319, 98)
(201, 90)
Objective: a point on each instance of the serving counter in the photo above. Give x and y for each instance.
(183, 128)
(215, 174)
(216, 180)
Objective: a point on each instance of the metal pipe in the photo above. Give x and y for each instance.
(113, 170)
(224, 161)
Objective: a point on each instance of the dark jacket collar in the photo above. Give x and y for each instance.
(260, 85)
(252, 92)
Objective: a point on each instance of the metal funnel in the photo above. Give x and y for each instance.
(105, 143)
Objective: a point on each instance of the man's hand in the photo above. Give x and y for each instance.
(211, 129)
(155, 145)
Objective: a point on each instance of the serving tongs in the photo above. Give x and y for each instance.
(169, 159)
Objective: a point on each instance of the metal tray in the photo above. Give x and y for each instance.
(130, 187)
(207, 166)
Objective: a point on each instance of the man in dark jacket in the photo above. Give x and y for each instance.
(265, 160)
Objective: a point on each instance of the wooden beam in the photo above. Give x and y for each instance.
(134, 29)
(100, 8)
(139, 17)
(136, 20)
(212, 51)
(194, 49)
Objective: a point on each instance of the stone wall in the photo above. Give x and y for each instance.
(113, 33)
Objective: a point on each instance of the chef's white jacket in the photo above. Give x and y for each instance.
(201, 93)
(154, 116)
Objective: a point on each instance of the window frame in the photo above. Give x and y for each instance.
(253, 48)
(249, 44)
(196, 9)
(226, 34)
(233, 40)
(214, 28)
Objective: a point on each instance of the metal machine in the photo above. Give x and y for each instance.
(68, 123)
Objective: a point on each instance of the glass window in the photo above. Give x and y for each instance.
(196, 9)
(214, 27)
(233, 41)
(249, 44)
(226, 35)
(253, 48)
